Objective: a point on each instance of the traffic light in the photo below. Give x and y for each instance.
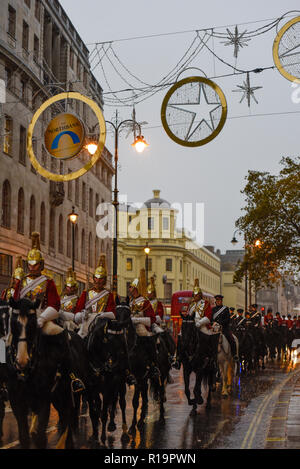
(262, 310)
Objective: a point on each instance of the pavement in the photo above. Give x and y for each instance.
(284, 429)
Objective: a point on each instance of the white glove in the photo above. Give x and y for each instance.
(41, 321)
(66, 316)
(156, 329)
(81, 316)
(201, 322)
(49, 314)
(108, 315)
(145, 321)
(158, 319)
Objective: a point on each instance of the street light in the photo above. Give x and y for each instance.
(147, 252)
(73, 217)
(139, 144)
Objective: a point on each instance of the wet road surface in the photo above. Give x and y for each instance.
(240, 421)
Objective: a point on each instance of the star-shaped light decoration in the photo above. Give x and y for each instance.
(201, 111)
(247, 90)
(236, 39)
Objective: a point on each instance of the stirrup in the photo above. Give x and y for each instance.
(76, 384)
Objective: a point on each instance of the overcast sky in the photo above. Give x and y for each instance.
(213, 174)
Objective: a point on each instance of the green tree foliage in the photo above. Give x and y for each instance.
(272, 215)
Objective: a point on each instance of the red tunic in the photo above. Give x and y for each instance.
(290, 323)
(142, 305)
(51, 296)
(268, 318)
(160, 309)
(110, 305)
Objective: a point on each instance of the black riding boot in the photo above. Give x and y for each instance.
(67, 362)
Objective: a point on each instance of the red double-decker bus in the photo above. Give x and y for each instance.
(180, 302)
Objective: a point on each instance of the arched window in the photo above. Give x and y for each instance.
(90, 251)
(61, 235)
(6, 204)
(82, 247)
(52, 228)
(32, 215)
(20, 221)
(43, 224)
(76, 243)
(91, 202)
(97, 254)
(69, 238)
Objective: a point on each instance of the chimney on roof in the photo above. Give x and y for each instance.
(156, 193)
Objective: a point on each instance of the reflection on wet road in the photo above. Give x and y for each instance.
(240, 421)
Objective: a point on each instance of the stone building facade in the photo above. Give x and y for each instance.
(41, 54)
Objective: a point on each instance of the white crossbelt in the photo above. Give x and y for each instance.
(32, 285)
(218, 312)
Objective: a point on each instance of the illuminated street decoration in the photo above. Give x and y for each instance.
(236, 39)
(286, 50)
(247, 90)
(194, 111)
(65, 137)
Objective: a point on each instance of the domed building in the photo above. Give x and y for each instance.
(175, 259)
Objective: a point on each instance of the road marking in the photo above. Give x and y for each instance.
(17, 442)
(276, 439)
(248, 440)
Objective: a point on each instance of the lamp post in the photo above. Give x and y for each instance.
(235, 241)
(73, 217)
(147, 252)
(140, 144)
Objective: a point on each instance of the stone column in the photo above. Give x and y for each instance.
(48, 41)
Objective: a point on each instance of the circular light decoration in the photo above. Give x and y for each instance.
(286, 50)
(64, 137)
(194, 111)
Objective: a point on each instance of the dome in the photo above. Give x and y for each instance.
(157, 200)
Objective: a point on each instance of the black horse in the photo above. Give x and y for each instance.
(38, 375)
(246, 348)
(106, 345)
(4, 321)
(198, 354)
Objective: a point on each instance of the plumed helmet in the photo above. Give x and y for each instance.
(140, 283)
(35, 255)
(18, 272)
(71, 280)
(101, 270)
(196, 289)
(151, 287)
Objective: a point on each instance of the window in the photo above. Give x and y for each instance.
(61, 235)
(8, 78)
(71, 58)
(91, 197)
(37, 10)
(168, 291)
(129, 263)
(169, 265)
(83, 196)
(150, 223)
(77, 192)
(96, 250)
(32, 215)
(76, 243)
(23, 91)
(20, 220)
(69, 238)
(8, 131)
(27, 2)
(165, 221)
(5, 265)
(36, 48)
(180, 265)
(11, 21)
(6, 204)
(52, 228)
(43, 224)
(97, 203)
(22, 147)
(25, 36)
(70, 188)
(82, 247)
(78, 68)
(90, 251)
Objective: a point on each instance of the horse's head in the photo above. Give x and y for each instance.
(23, 330)
(188, 331)
(123, 312)
(4, 317)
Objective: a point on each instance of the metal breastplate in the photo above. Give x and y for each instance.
(154, 304)
(39, 290)
(197, 308)
(69, 305)
(100, 305)
(137, 307)
(9, 293)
